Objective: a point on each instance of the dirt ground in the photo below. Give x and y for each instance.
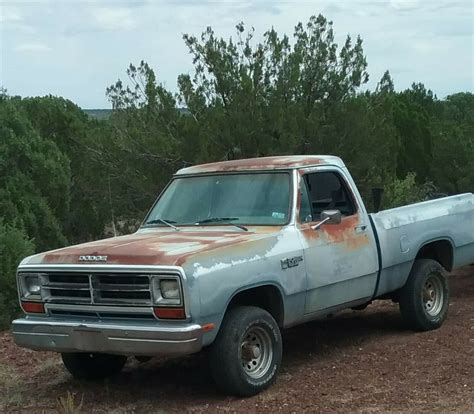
(359, 361)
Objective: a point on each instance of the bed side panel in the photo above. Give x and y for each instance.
(403, 231)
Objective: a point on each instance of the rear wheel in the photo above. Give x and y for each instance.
(246, 354)
(91, 366)
(424, 300)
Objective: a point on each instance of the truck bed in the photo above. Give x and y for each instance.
(403, 231)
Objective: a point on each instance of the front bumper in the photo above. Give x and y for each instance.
(124, 338)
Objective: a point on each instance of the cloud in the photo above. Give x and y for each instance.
(117, 18)
(417, 40)
(33, 48)
(404, 5)
(9, 15)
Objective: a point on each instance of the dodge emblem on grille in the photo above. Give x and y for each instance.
(92, 258)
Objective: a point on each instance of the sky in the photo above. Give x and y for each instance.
(76, 48)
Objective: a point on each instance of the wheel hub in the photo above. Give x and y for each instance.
(256, 352)
(433, 296)
(250, 352)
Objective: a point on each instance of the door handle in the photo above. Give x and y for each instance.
(361, 229)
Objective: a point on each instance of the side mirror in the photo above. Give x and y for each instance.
(329, 217)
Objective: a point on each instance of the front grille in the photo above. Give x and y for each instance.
(96, 288)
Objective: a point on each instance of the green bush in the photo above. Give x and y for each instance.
(14, 246)
(406, 191)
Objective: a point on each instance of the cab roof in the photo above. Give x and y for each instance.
(283, 162)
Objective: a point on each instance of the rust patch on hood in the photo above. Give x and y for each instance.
(155, 247)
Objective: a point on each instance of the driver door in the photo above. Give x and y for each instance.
(341, 259)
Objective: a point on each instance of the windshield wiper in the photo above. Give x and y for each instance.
(166, 222)
(220, 219)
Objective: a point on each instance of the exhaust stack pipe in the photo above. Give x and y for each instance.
(377, 194)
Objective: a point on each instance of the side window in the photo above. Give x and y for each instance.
(328, 191)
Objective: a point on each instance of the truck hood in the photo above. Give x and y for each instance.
(158, 246)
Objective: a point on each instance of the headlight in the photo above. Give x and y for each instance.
(30, 287)
(166, 291)
(169, 289)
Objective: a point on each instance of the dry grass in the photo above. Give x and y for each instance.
(10, 384)
(70, 404)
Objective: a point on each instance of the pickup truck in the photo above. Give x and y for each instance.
(230, 254)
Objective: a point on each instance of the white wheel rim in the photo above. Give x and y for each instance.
(256, 352)
(433, 296)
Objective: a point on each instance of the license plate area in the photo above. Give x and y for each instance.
(86, 339)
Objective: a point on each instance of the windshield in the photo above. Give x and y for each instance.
(259, 199)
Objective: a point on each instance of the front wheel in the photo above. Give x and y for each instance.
(92, 366)
(246, 354)
(424, 300)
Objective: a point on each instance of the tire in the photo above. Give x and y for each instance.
(246, 355)
(90, 366)
(424, 300)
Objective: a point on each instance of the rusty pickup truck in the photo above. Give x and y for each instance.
(230, 254)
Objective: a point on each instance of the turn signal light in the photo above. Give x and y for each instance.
(207, 327)
(33, 307)
(169, 313)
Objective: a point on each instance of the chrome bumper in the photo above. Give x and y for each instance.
(124, 338)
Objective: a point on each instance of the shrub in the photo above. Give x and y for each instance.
(406, 191)
(14, 246)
